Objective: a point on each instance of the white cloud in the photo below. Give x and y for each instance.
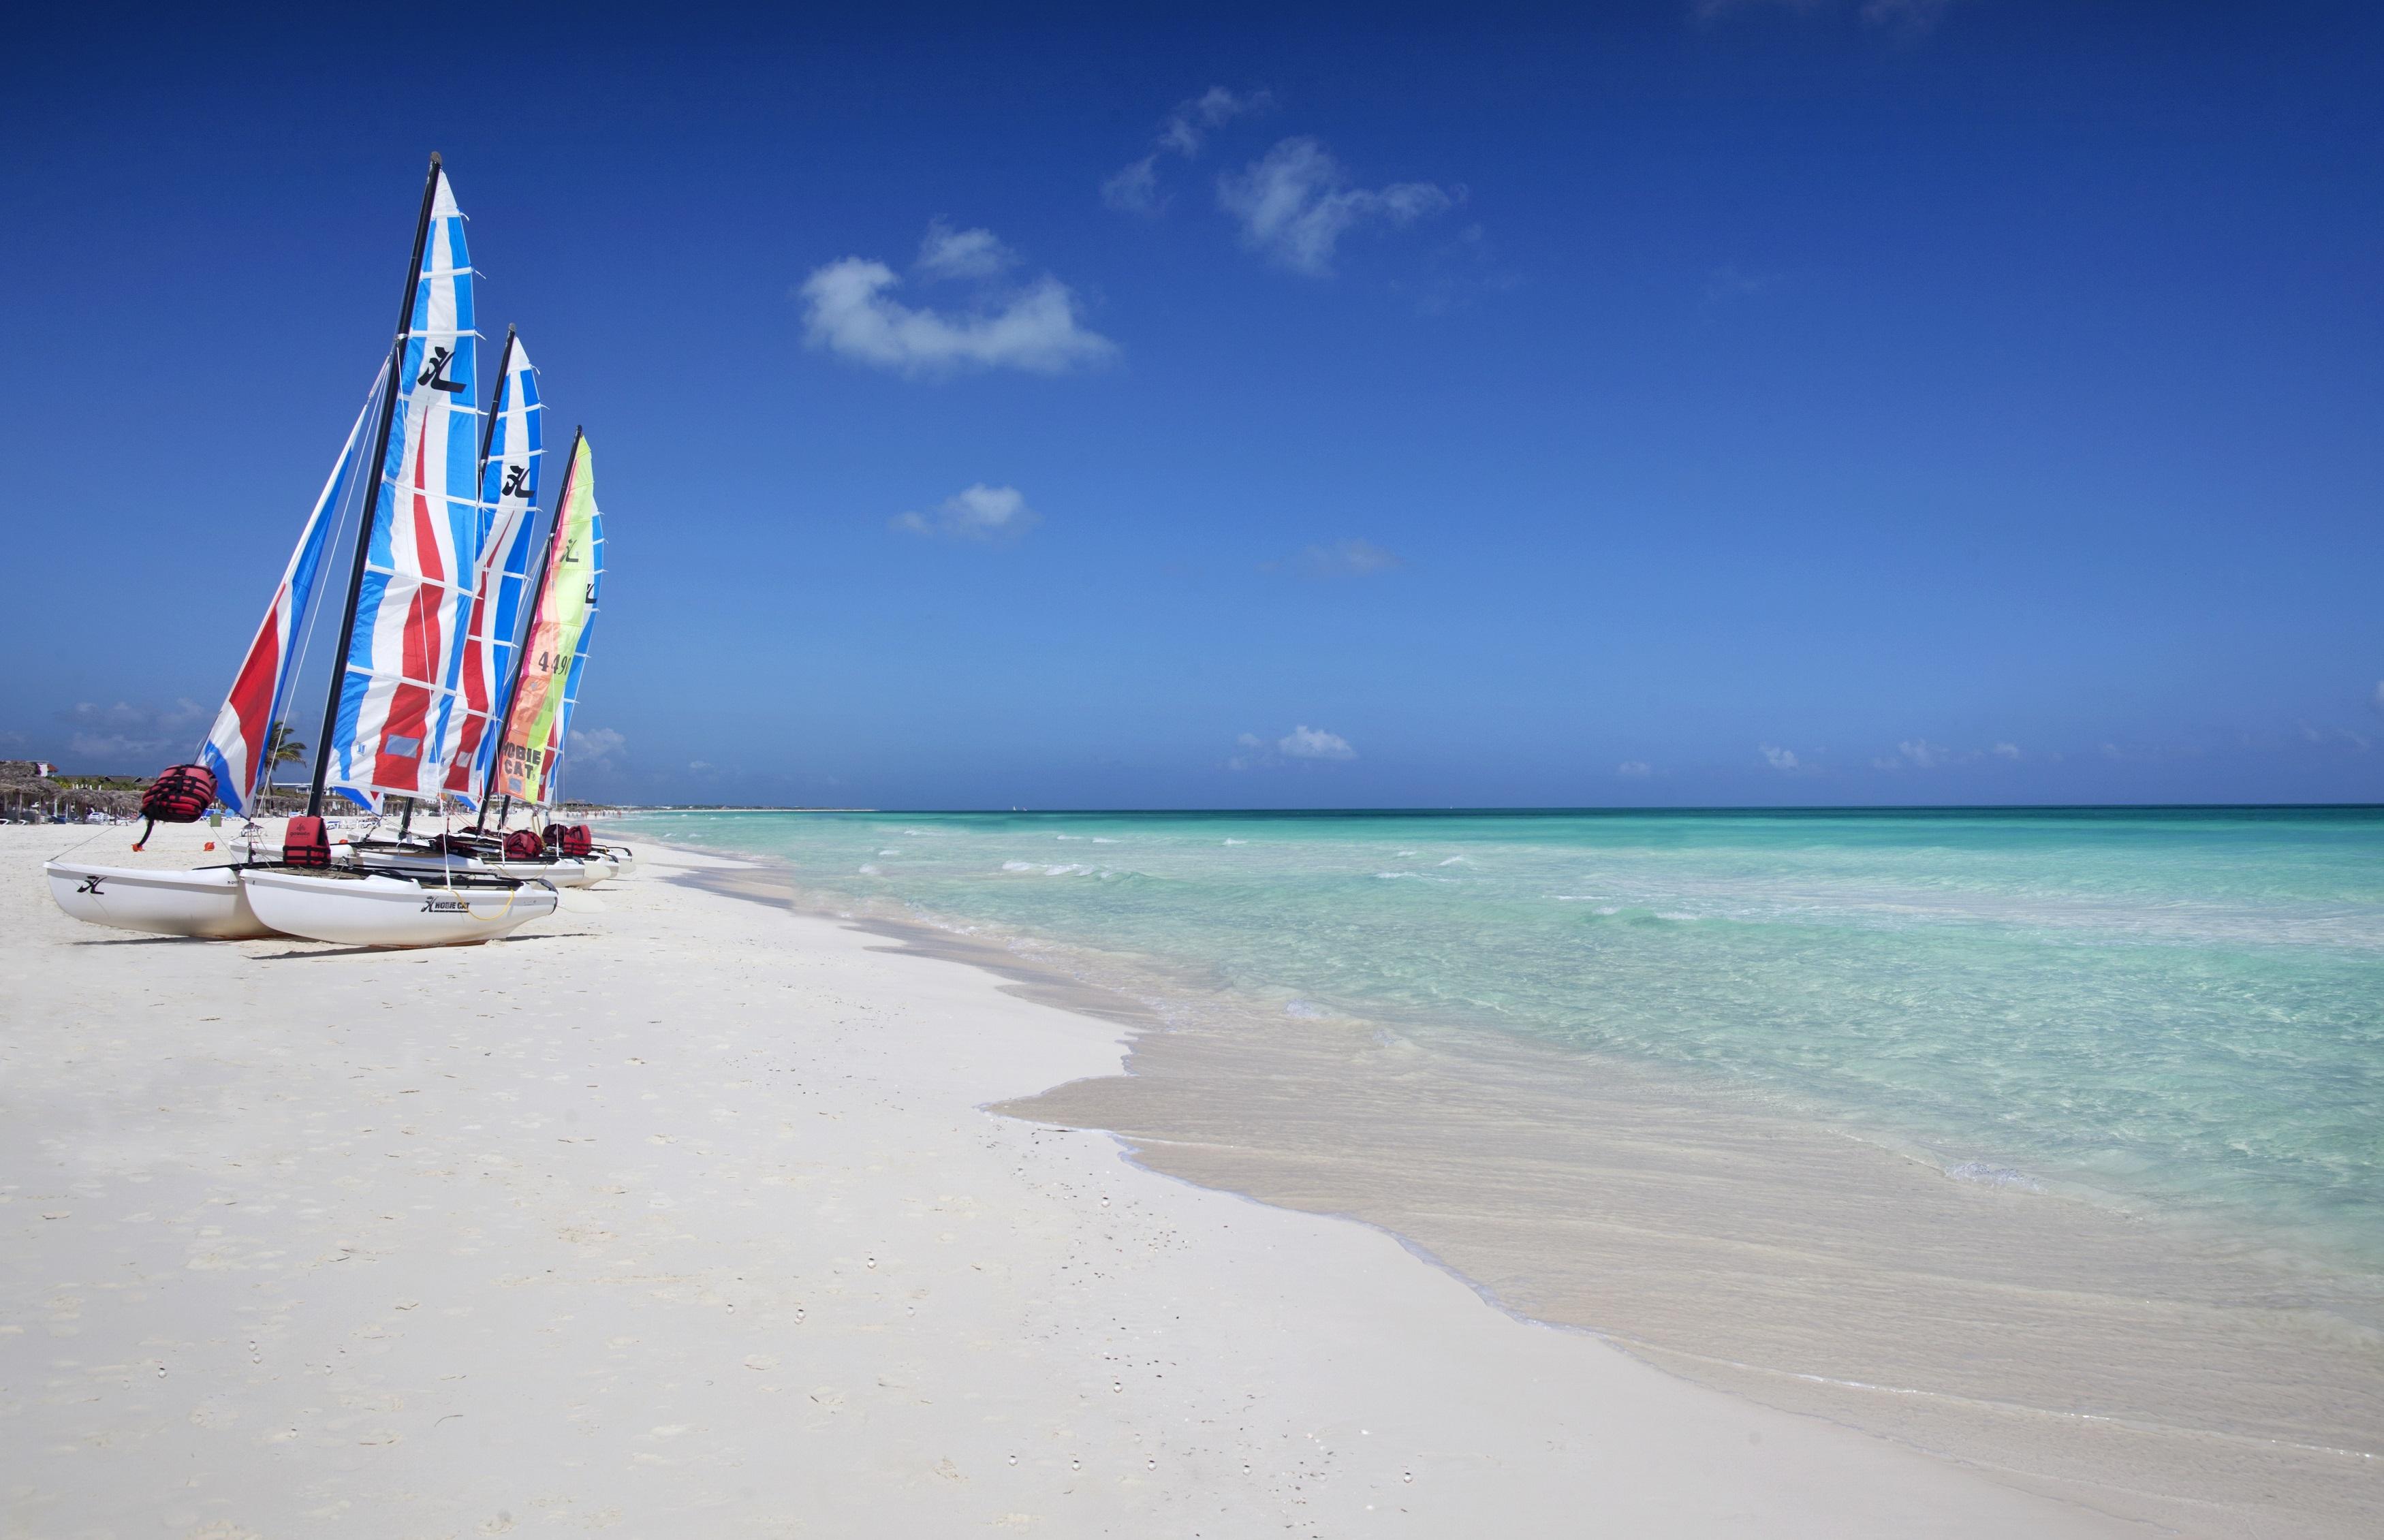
(2377, 700)
(126, 734)
(975, 512)
(1135, 187)
(1351, 558)
(850, 310)
(1779, 758)
(1302, 742)
(596, 746)
(1912, 17)
(2005, 750)
(1918, 753)
(1188, 127)
(1306, 742)
(1635, 769)
(1296, 202)
(948, 253)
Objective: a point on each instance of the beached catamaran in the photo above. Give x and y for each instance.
(398, 712)
(553, 662)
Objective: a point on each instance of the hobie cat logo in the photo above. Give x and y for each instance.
(515, 476)
(435, 375)
(445, 906)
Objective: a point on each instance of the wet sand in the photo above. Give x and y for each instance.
(2058, 1345)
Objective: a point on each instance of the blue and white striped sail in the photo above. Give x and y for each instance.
(509, 504)
(399, 686)
(239, 747)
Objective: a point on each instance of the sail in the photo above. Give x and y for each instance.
(508, 505)
(238, 745)
(555, 649)
(398, 690)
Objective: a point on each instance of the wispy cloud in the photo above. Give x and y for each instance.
(1351, 558)
(1303, 743)
(597, 745)
(1635, 770)
(2377, 700)
(1133, 188)
(1909, 16)
(1916, 753)
(948, 253)
(850, 310)
(1779, 758)
(126, 734)
(2005, 750)
(990, 515)
(1296, 202)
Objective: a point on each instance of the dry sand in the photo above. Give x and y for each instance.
(681, 1214)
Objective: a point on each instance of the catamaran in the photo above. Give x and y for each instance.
(553, 662)
(391, 723)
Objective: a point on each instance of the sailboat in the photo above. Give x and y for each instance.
(209, 901)
(511, 451)
(553, 661)
(390, 719)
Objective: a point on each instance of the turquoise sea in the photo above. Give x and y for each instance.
(2176, 1010)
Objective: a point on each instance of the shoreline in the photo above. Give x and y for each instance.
(680, 1214)
(2144, 1375)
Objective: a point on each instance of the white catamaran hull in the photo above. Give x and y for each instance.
(399, 861)
(379, 910)
(204, 901)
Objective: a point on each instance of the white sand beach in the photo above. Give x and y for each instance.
(680, 1214)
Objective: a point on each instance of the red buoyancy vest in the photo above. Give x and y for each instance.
(569, 839)
(307, 844)
(181, 794)
(524, 845)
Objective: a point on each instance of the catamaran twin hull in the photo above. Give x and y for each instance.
(378, 910)
(206, 901)
(238, 903)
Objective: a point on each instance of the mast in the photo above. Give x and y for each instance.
(537, 608)
(372, 498)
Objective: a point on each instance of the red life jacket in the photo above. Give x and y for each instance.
(569, 839)
(524, 845)
(307, 844)
(181, 794)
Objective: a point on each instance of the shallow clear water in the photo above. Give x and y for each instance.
(2181, 1009)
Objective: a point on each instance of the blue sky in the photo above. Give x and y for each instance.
(1684, 403)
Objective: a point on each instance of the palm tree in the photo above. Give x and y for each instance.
(280, 749)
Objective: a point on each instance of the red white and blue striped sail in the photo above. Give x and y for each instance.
(238, 745)
(401, 675)
(509, 502)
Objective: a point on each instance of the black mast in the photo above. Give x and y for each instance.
(372, 498)
(537, 605)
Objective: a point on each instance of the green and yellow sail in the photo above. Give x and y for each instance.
(555, 650)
